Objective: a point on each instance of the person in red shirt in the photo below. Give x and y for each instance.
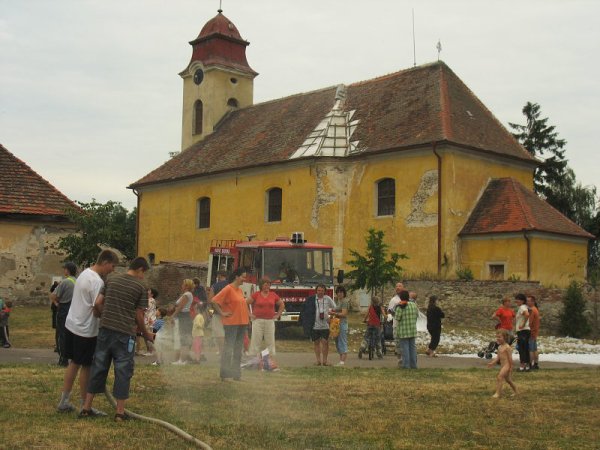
(373, 331)
(231, 305)
(263, 317)
(534, 325)
(505, 316)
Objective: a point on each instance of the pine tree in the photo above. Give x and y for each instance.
(573, 321)
(542, 141)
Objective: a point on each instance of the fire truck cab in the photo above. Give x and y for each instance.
(294, 266)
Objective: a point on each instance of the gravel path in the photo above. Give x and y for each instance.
(291, 359)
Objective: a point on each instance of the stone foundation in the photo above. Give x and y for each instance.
(472, 303)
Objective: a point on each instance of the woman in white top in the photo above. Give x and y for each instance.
(182, 315)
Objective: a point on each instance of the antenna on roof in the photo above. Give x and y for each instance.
(220, 10)
(414, 44)
(439, 48)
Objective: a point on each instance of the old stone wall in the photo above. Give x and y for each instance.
(472, 303)
(167, 278)
(29, 259)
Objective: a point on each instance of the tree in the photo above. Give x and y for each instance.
(542, 141)
(555, 182)
(108, 224)
(374, 271)
(573, 320)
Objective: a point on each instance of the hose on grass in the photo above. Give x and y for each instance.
(178, 431)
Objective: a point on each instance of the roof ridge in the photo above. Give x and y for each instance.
(519, 195)
(445, 115)
(489, 113)
(356, 83)
(393, 74)
(538, 198)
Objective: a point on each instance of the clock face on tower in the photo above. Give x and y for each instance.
(198, 76)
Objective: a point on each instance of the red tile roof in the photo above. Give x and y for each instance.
(507, 206)
(413, 107)
(220, 43)
(23, 191)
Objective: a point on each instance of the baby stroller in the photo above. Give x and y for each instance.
(387, 334)
(488, 351)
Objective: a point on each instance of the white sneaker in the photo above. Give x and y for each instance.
(179, 363)
(341, 363)
(65, 408)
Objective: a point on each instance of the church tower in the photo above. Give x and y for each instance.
(217, 80)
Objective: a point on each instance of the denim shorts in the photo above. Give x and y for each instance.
(112, 347)
(533, 345)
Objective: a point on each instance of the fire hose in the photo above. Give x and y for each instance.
(178, 431)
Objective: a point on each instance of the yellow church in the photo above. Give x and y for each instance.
(413, 153)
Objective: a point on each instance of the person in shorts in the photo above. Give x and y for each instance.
(315, 321)
(534, 325)
(61, 297)
(121, 305)
(81, 327)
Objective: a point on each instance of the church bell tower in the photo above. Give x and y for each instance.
(217, 79)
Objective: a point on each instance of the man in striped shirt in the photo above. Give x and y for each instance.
(121, 306)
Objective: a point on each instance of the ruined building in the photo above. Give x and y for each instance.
(32, 220)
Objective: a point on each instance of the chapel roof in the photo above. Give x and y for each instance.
(23, 191)
(220, 25)
(507, 206)
(220, 44)
(403, 110)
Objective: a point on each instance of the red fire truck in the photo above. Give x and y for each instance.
(294, 266)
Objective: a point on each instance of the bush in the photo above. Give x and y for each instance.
(464, 274)
(573, 321)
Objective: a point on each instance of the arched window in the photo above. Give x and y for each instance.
(386, 197)
(203, 208)
(274, 205)
(232, 102)
(198, 117)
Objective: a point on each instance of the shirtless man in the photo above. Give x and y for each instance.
(504, 357)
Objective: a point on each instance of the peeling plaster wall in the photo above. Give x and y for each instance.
(324, 195)
(428, 187)
(29, 258)
(333, 192)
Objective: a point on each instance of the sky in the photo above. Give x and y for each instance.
(90, 95)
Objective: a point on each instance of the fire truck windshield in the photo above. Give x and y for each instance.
(304, 266)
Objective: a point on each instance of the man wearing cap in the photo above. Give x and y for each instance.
(61, 297)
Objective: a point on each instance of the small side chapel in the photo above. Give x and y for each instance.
(414, 153)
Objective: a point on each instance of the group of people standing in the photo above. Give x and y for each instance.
(525, 324)
(404, 313)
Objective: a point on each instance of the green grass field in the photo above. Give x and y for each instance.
(304, 408)
(313, 408)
